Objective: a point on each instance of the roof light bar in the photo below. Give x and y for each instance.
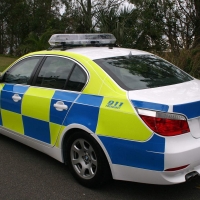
(82, 39)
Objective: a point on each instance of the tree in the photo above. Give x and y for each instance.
(148, 26)
(42, 13)
(3, 12)
(19, 18)
(35, 43)
(84, 14)
(120, 22)
(17, 23)
(179, 19)
(190, 11)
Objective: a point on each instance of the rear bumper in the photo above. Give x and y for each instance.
(182, 150)
(178, 151)
(147, 176)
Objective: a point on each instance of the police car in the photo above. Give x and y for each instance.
(104, 111)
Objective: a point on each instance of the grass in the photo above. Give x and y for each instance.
(5, 61)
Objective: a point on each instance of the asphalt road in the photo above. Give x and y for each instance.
(28, 174)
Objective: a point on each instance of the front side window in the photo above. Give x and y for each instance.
(135, 72)
(21, 72)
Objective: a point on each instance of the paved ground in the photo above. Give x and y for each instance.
(28, 174)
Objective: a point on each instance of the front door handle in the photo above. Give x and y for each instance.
(60, 106)
(16, 97)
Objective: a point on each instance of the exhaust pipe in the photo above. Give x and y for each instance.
(191, 175)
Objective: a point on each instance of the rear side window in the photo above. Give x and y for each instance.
(77, 79)
(135, 72)
(61, 73)
(54, 72)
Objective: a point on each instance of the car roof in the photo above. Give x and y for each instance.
(105, 52)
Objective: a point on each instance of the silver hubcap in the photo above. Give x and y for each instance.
(83, 159)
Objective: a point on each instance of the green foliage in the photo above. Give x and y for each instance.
(188, 60)
(126, 31)
(35, 43)
(20, 19)
(151, 25)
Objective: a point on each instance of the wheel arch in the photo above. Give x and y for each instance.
(69, 130)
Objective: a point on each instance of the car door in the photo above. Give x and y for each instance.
(46, 103)
(16, 82)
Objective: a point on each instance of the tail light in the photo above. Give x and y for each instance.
(165, 124)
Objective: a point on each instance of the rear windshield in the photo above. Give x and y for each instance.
(135, 72)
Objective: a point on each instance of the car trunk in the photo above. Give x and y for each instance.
(183, 98)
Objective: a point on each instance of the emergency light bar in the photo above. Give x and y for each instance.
(82, 39)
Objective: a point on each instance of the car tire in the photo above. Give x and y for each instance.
(86, 160)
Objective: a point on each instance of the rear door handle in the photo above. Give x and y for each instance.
(16, 97)
(60, 106)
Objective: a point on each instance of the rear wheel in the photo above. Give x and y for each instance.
(86, 160)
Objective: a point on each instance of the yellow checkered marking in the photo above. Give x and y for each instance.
(1, 86)
(59, 136)
(54, 130)
(17, 124)
(41, 107)
(14, 125)
(121, 122)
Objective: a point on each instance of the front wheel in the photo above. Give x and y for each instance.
(86, 160)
